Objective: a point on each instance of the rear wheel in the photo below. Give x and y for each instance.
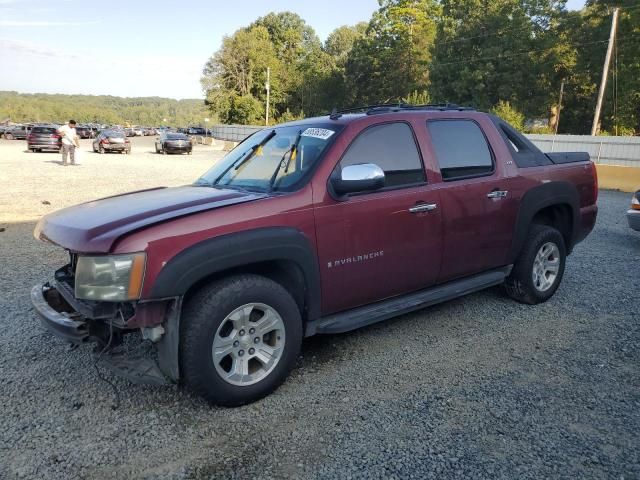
(8, 136)
(240, 338)
(539, 269)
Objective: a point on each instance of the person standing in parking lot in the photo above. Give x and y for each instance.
(70, 141)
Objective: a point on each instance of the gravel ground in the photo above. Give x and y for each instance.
(480, 387)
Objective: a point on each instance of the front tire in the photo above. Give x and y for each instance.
(240, 337)
(539, 269)
(101, 150)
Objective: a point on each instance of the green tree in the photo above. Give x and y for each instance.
(236, 75)
(505, 111)
(392, 59)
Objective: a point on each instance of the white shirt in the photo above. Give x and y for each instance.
(68, 134)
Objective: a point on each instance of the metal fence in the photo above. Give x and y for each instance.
(623, 151)
(233, 133)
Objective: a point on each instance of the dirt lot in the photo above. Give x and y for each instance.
(39, 177)
(480, 387)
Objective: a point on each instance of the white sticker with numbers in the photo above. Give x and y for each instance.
(321, 133)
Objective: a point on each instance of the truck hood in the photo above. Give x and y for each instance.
(93, 227)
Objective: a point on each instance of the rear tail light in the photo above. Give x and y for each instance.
(29, 137)
(635, 203)
(595, 182)
(105, 141)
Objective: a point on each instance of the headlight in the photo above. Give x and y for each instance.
(110, 278)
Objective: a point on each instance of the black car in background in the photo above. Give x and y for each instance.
(112, 141)
(18, 132)
(169, 142)
(44, 137)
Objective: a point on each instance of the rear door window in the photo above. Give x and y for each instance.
(392, 147)
(44, 130)
(461, 149)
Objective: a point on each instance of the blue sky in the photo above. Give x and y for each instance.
(137, 47)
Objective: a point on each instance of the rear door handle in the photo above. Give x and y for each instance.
(497, 194)
(423, 207)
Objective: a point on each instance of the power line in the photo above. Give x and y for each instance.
(525, 27)
(500, 57)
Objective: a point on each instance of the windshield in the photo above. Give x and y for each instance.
(271, 160)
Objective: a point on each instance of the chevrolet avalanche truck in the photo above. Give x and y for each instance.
(318, 226)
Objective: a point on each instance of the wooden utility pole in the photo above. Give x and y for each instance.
(268, 87)
(559, 107)
(605, 71)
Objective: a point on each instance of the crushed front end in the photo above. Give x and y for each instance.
(95, 299)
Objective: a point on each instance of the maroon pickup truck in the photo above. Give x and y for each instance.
(313, 227)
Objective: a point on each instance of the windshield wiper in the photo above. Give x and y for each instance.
(245, 157)
(281, 163)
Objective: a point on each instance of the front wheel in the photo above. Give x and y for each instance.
(101, 150)
(240, 338)
(539, 269)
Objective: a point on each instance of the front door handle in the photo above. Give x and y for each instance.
(497, 194)
(423, 207)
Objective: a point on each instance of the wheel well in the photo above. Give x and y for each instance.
(285, 272)
(559, 217)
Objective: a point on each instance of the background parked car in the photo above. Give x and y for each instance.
(18, 132)
(633, 214)
(174, 143)
(85, 132)
(196, 131)
(138, 131)
(129, 132)
(44, 137)
(112, 141)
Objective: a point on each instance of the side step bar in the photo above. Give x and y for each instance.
(379, 311)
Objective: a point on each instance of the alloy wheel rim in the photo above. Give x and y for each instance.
(546, 266)
(248, 344)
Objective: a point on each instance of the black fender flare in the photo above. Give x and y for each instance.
(234, 250)
(538, 198)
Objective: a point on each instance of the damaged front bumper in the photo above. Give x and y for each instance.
(57, 316)
(81, 322)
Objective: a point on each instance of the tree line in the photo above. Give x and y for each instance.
(508, 56)
(147, 111)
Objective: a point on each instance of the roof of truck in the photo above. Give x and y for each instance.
(349, 115)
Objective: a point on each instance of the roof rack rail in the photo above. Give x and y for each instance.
(397, 107)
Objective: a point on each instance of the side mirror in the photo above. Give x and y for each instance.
(358, 178)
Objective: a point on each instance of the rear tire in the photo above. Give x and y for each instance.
(8, 136)
(539, 268)
(239, 339)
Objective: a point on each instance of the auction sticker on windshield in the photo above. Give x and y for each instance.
(321, 133)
